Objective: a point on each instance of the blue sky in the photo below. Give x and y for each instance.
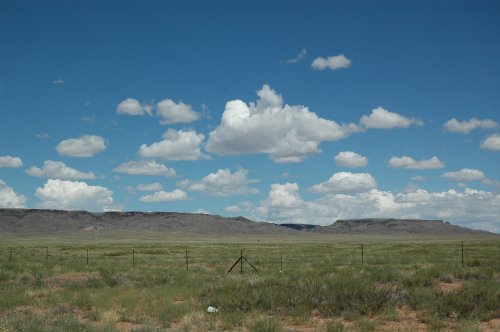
(283, 111)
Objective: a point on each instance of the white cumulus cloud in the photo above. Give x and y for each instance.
(284, 204)
(492, 143)
(74, 195)
(350, 159)
(285, 133)
(9, 198)
(35, 171)
(383, 119)
(59, 170)
(466, 126)
(145, 167)
(469, 208)
(176, 145)
(285, 195)
(222, 183)
(171, 112)
(410, 163)
(84, 146)
(164, 196)
(9, 161)
(131, 106)
(346, 182)
(332, 62)
(465, 174)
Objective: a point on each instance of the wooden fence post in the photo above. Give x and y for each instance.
(462, 253)
(362, 256)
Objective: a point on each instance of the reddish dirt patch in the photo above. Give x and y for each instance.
(61, 280)
(31, 309)
(316, 323)
(407, 321)
(450, 287)
(127, 326)
(491, 325)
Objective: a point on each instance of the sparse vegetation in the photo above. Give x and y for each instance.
(321, 285)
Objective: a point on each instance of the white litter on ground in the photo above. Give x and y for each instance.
(211, 309)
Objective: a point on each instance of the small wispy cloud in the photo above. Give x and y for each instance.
(332, 62)
(58, 81)
(43, 135)
(88, 119)
(302, 54)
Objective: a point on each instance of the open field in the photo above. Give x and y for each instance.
(302, 284)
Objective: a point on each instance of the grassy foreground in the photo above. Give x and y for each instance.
(310, 285)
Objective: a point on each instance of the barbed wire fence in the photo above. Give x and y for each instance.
(265, 258)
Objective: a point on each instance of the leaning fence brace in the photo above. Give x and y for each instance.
(240, 260)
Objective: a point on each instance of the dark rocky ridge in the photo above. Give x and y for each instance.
(52, 222)
(381, 226)
(34, 221)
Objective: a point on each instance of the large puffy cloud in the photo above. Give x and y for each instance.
(410, 163)
(332, 62)
(285, 133)
(284, 204)
(285, 195)
(222, 183)
(176, 145)
(466, 126)
(164, 196)
(59, 170)
(465, 174)
(383, 119)
(346, 182)
(9, 198)
(145, 167)
(492, 143)
(9, 161)
(131, 106)
(172, 112)
(74, 195)
(470, 208)
(84, 146)
(350, 159)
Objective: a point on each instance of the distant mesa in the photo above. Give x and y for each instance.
(388, 226)
(53, 222)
